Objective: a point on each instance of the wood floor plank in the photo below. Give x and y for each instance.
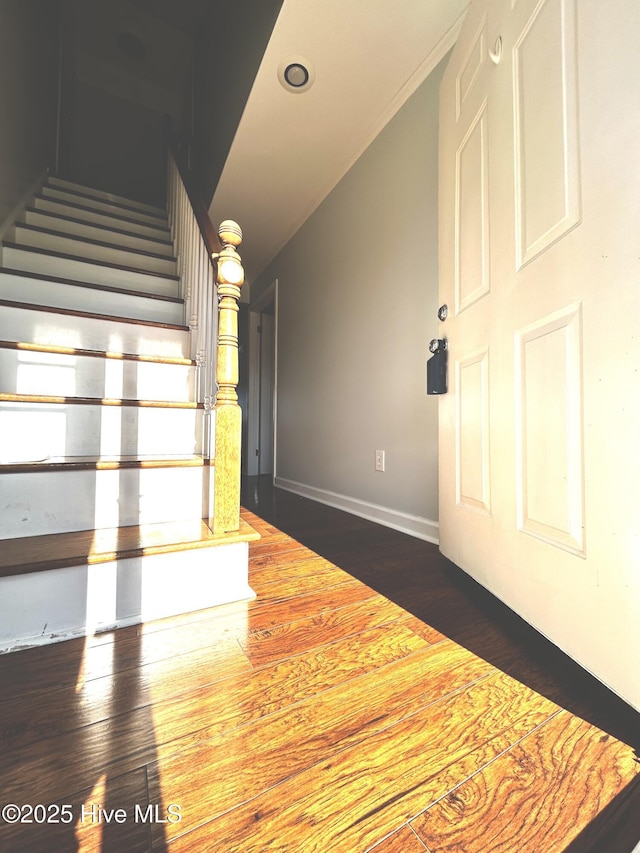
(266, 613)
(76, 663)
(282, 641)
(261, 575)
(404, 840)
(287, 587)
(380, 782)
(89, 831)
(139, 736)
(287, 743)
(536, 797)
(54, 712)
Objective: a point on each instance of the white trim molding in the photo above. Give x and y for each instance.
(421, 528)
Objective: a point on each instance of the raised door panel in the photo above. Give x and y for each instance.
(547, 180)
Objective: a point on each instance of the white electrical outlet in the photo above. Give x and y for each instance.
(379, 460)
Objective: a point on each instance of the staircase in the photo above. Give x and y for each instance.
(104, 475)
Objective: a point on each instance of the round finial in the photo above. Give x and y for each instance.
(230, 233)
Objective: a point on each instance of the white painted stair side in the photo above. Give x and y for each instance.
(38, 289)
(77, 227)
(90, 272)
(33, 502)
(37, 431)
(29, 370)
(97, 250)
(50, 205)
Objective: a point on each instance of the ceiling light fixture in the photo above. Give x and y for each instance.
(296, 74)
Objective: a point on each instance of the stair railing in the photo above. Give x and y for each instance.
(210, 282)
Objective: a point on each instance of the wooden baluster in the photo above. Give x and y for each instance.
(228, 416)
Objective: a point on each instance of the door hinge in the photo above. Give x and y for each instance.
(257, 451)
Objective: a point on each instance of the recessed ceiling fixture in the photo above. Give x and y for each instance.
(296, 74)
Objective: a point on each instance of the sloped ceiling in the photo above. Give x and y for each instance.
(291, 148)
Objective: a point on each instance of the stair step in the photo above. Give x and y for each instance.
(88, 271)
(55, 292)
(37, 427)
(72, 329)
(65, 208)
(90, 547)
(103, 195)
(80, 228)
(99, 493)
(60, 194)
(8, 397)
(29, 369)
(97, 250)
(104, 463)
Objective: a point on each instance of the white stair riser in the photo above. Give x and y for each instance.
(62, 183)
(26, 324)
(58, 374)
(50, 205)
(32, 504)
(46, 607)
(95, 232)
(37, 431)
(103, 206)
(80, 248)
(60, 295)
(78, 270)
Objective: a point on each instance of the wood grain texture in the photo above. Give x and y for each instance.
(404, 840)
(95, 828)
(536, 797)
(328, 714)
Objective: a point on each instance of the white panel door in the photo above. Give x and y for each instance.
(540, 268)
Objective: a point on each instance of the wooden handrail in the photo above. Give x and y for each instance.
(207, 229)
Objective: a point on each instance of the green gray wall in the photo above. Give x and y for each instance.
(28, 96)
(357, 291)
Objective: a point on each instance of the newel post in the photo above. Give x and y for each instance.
(228, 415)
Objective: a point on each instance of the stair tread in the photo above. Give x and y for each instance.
(89, 547)
(7, 397)
(58, 182)
(102, 463)
(93, 353)
(10, 303)
(101, 244)
(67, 257)
(117, 201)
(125, 291)
(98, 225)
(159, 227)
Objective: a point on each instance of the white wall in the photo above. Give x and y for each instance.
(28, 96)
(357, 307)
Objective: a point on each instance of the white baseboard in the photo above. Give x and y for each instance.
(422, 528)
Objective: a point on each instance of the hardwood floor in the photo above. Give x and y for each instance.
(371, 698)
